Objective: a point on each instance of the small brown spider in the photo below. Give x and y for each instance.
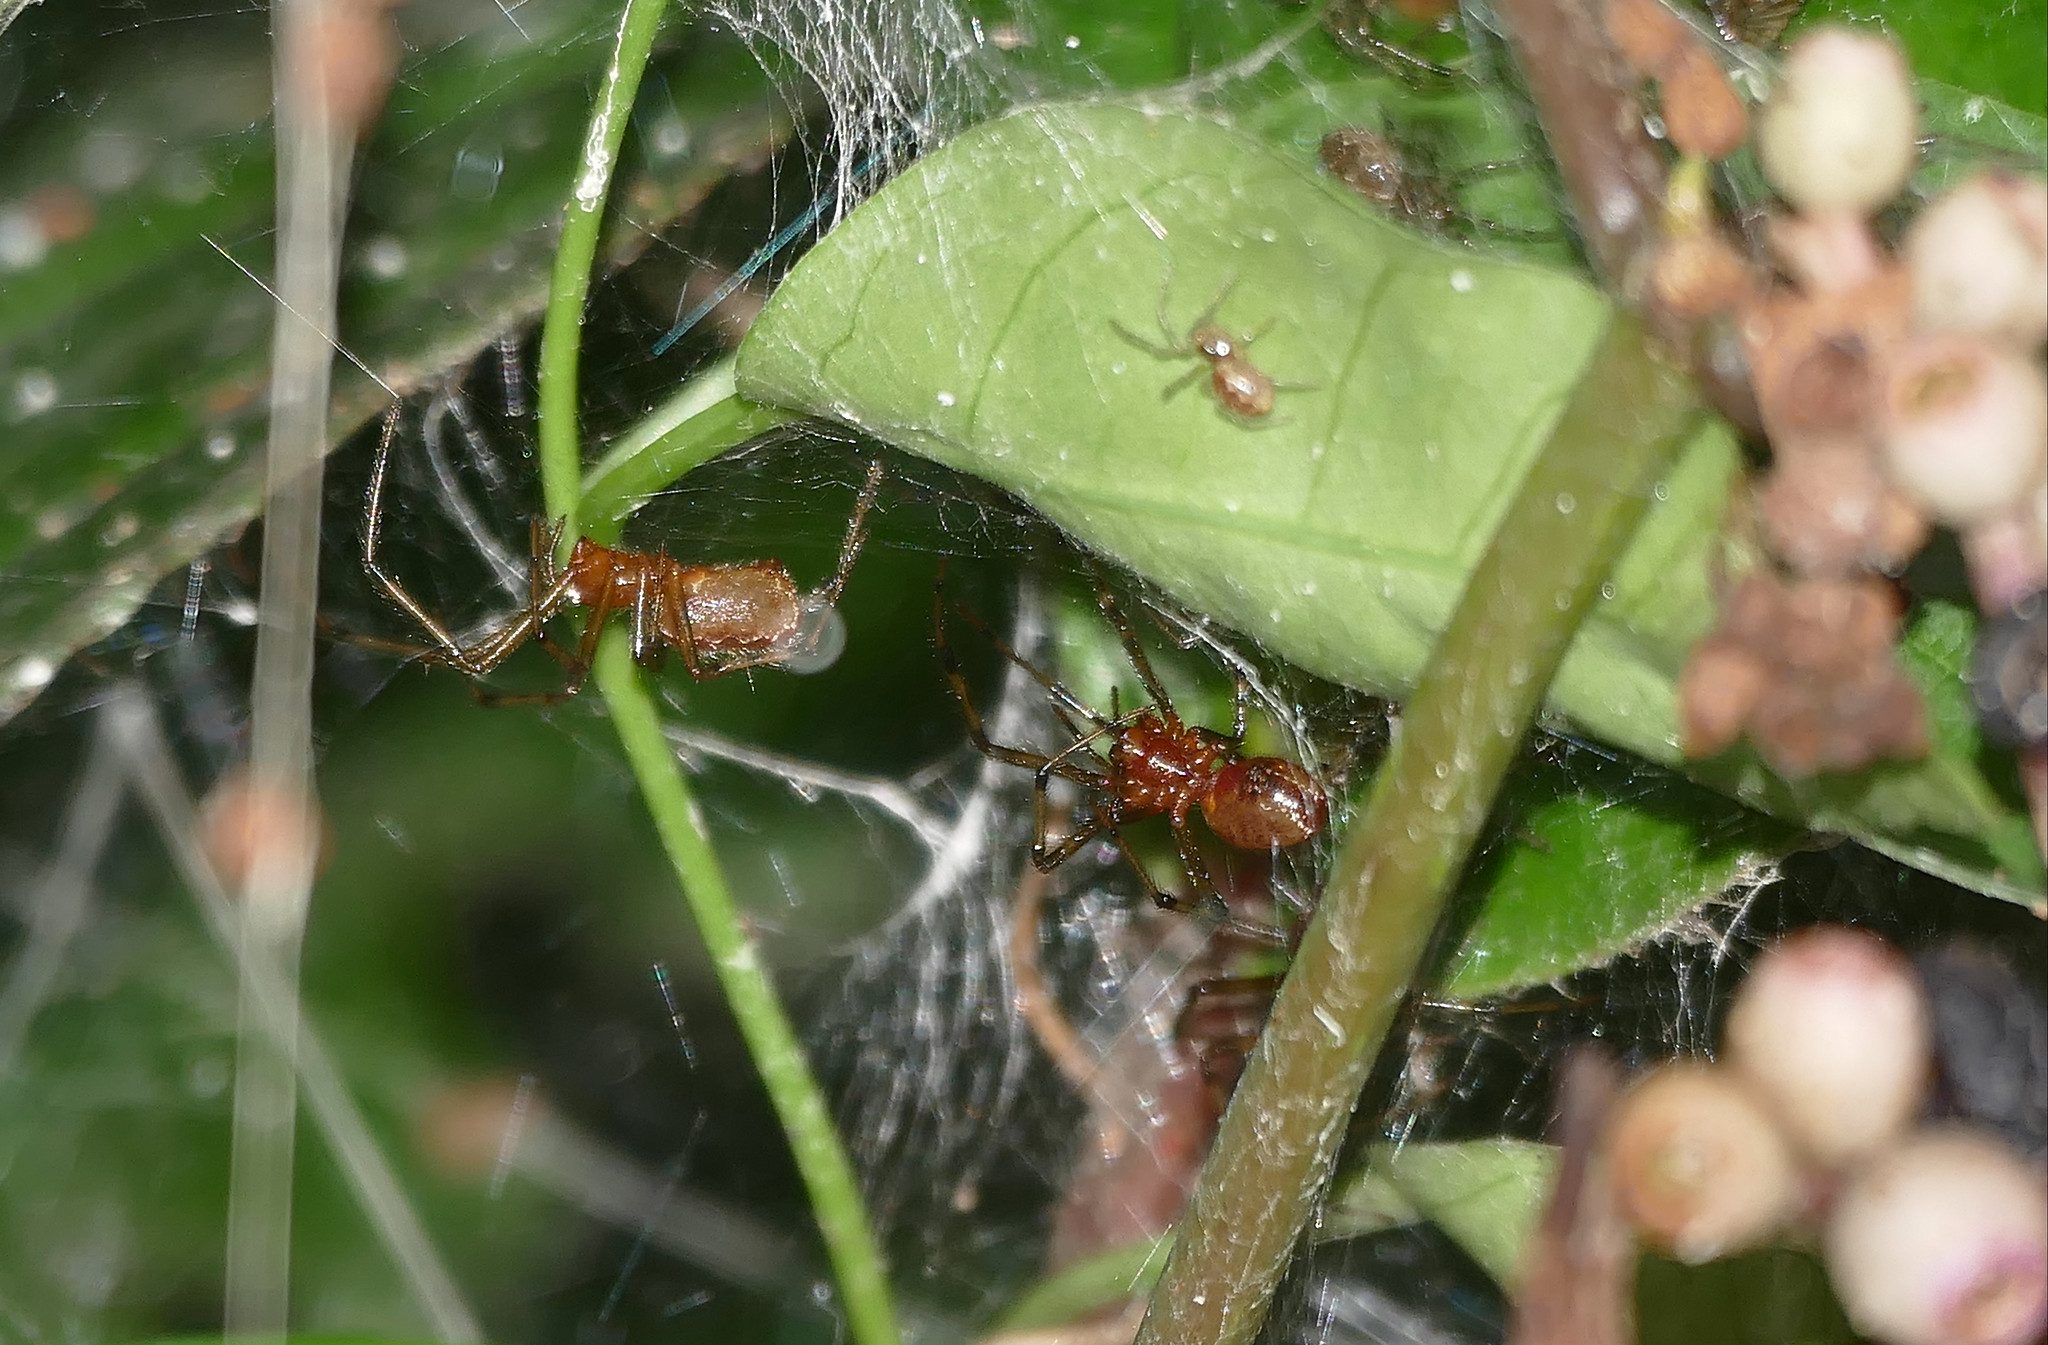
(719, 618)
(1377, 167)
(1144, 763)
(1374, 166)
(1239, 386)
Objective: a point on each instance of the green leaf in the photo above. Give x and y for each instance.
(1486, 1194)
(137, 352)
(1471, 145)
(1992, 49)
(274, 1340)
(1600, 857)
(1777, 1296)
(1070, 1294)
(1970, 130)
(970, 312)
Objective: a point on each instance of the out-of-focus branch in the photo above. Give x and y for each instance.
(1585, 98)
(1577, 1280)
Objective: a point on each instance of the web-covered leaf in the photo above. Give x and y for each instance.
(1337, 531)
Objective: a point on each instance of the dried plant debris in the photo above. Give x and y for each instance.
(1804, 668)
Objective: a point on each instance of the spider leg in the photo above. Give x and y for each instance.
(480, 658)
(682, 631)
(1053, 687)
(1059, 764)
(1165, 901)
(542, 575)
(1047, 857)
(1157, 349)
(1267, 327)
(956, 680)
(1208, 315)
(577, 666)
(1454, 177)
(1105, 600)
(639, 621)
(1183, 383)
(601, 609)
(1197, 870)
(373, 528)
(856, 533)
(1354, 32)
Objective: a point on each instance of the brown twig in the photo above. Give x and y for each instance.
(1585, 97)
(1577, 1280)
(1069, 1054)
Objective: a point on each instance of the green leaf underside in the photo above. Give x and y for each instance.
(969, 312)
(1485, 1193)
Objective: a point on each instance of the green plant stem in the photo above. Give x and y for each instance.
(561, 333)
(702, 420)
(1484, 683)
(785, 1073)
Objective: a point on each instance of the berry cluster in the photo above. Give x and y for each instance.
(1896, 367)
(1934, 1233)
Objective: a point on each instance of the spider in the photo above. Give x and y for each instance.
(1240, 387)
(1148, 762)
(1379, 168)
(720, 618)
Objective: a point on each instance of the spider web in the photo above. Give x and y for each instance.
(526, 1094)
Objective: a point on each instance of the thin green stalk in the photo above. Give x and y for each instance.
(561, 333)
(1485, 681)
(785, 1073)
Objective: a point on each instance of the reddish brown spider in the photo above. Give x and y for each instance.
(720, 618)
(1239, 386)
(1147, 762)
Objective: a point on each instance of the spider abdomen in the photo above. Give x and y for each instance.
(1257, 803)
(731, 609)
(703, 611)
(1242, 387)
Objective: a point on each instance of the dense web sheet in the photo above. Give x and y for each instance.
(523, 1092)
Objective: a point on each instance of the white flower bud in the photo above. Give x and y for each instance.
(1831, 1030)
(1979, 259)
(1700, 1166)
(1965, 426)
(1943, 1241)
(1837, 133)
